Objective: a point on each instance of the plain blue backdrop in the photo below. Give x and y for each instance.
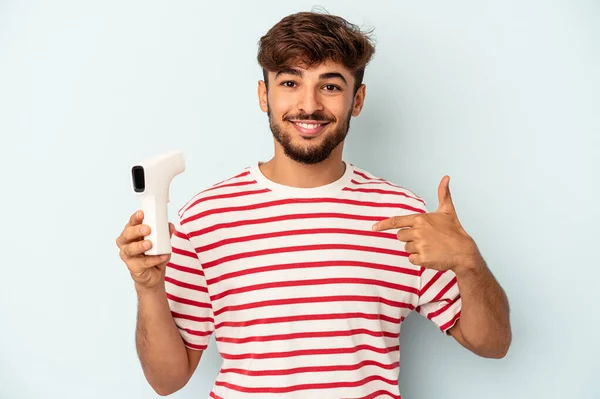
(503, 96)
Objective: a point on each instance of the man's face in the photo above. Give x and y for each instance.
(309, 110)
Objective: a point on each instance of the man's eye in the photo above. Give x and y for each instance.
(331, 87)
(288, 83)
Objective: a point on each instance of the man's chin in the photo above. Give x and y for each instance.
(307, 148)
(307, 158)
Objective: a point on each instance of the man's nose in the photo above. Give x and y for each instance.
(309, 101)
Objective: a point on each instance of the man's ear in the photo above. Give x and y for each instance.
(262, 96)
(359, 99)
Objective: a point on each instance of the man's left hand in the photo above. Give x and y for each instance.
(435, 240)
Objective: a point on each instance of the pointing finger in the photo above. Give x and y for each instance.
(395, 222)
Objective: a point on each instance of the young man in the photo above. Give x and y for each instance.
(305, 266)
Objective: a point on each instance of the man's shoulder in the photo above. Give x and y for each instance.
(222, 187)
(366, 181)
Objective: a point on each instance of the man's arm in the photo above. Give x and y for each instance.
(484, 323)
(438, 241)
(167, 363)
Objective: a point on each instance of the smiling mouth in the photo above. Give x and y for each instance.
(310, 128)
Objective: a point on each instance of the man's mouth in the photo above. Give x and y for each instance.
(309, 128)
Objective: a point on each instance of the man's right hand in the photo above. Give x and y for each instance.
(147, 271)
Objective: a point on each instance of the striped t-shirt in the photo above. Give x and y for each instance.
(304, 299)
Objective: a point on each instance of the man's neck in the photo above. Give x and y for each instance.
(283, 170)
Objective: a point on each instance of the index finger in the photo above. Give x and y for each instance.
(136, 218)
(395, 222)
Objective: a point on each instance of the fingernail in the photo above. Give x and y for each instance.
(146, 244)
(375, 227)
(143, 230)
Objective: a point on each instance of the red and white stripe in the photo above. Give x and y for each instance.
(303, 298)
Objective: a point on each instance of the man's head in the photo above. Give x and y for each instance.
(313, 67)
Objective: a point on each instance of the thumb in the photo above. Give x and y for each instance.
(171, 229)
(445, 203)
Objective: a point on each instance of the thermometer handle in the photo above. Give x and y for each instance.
(156, 216)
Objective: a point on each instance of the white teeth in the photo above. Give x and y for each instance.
(308, 125)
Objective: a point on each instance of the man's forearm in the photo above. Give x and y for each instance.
(484, 320)
(159, 344)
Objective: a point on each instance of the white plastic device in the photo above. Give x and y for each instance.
(151, 180)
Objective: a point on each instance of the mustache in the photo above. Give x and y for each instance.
(315, 116)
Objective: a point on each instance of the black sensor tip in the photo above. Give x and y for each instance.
(139, 183)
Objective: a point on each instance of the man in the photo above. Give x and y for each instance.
(305, 266)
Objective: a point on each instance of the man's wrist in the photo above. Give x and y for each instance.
(471, 264)
(155, 290)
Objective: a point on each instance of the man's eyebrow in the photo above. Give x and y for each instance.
(289, 71)
(299, 73)
(333, 75)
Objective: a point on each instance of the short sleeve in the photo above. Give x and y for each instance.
(439, 298)
(187, 292)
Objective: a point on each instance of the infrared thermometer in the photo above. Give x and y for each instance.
(151, 180)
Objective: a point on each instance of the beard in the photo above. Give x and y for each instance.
(315, 153)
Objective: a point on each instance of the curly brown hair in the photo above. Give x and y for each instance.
(310, 38)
